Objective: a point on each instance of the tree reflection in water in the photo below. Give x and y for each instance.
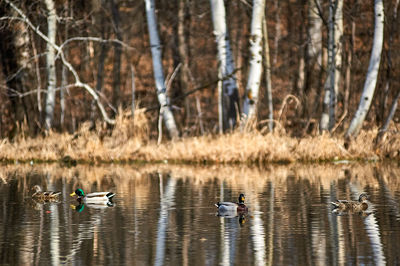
(165, 215)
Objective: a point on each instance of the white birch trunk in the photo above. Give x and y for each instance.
(167, 200)
(338, 44)
(372, 75)
(255, 70)
(226, 64)
(334, 64)
(158, 70)
(50, 63)
(258, 235)
(314, 47)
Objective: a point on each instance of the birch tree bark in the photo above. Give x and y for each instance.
(230, 95)
(254, 78)
(158, 70)
(314, 46)
(331, 87)
(372, 74)
(50, 63)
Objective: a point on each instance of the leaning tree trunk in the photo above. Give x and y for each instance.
(253, 82)
(158, 70)
(334, 65)
(230, 95)
(50, 63)
(372, 75)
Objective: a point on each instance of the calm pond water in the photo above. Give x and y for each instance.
(165, 215)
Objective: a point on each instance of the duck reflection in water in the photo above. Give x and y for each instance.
(233, 209)
(81, 205)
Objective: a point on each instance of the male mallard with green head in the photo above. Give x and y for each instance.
(93, 198)
(232, 206)
(40, 195)
(352, 206)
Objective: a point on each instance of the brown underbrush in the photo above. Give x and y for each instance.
(129, 141)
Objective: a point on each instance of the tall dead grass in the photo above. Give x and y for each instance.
(129, 141)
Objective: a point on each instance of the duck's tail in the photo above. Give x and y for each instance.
(110, 195)
(335, 204)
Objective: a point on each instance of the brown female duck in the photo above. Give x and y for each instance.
(352, 206)
(44, 195)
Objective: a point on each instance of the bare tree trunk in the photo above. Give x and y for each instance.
(393, 108)
(372, 75)
(184, 57)
(64, 73)
(313, 55)
(334, 63)
(277, 36)
(267, 66)
(117, 56)
(329, 87)
(133, 89)
(314, 46)
(100, 19)
(253, 82)
(50, 63)
(385, 94)
(16, 66)
(230, 95)
(64, 82)
(158, 70)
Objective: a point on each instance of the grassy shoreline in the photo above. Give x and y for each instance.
(251, 148)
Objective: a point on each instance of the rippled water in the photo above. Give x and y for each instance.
(165, 215)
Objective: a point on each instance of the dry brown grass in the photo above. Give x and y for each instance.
(129, 141)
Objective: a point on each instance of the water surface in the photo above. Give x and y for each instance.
(165, 215)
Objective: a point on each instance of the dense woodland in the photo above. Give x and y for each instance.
(109, 60)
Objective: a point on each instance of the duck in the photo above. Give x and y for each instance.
(232, 207)
(94, 197)
(352, 206)
(40, 195)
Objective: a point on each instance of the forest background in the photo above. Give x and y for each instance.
(98, 98)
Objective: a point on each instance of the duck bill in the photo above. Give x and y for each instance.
(72, 194)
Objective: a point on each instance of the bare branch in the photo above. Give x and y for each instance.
(78, 82)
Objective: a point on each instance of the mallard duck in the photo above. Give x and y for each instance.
(352, 206)
(40, 195)
(93, 198)
(232, 207)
